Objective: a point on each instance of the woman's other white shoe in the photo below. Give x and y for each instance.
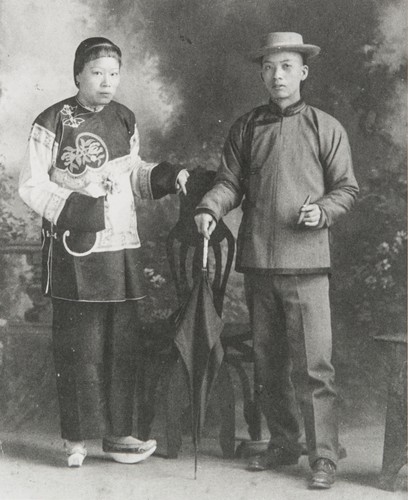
(76, 453)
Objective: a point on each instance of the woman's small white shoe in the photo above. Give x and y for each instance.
(76, 453)
(129, 450)
(132, 458)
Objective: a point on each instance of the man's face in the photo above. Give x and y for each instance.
(282, 73)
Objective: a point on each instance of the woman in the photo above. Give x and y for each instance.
(83, 173)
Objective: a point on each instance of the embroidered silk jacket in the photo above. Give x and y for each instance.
(274, 160)
(90, 242)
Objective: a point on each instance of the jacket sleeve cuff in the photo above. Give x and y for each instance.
(82, 213)
(163, 179)
(323, 219)
(202, 210)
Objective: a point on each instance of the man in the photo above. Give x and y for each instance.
(291, 165)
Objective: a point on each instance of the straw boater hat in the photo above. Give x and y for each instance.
(284, 41)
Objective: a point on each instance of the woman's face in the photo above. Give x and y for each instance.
(98, 81)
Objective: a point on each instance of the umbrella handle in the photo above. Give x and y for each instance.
(205, 253)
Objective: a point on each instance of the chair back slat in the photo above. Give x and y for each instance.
(184, 246)
(183, 272)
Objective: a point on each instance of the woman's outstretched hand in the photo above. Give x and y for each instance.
(181, 181)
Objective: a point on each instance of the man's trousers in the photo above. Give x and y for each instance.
(96, 353)
(291, 326)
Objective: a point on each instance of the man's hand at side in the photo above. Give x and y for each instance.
(205, 224)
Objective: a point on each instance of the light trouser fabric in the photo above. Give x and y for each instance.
(291, 326)
(96, 356)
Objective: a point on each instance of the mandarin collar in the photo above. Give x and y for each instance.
(92, 110)
(291, 110)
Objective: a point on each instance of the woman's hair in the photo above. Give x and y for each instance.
(93, 48)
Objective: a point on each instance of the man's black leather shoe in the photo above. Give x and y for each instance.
(323, 474)
(272, 458)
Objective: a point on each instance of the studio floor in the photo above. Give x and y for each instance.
(33, 467)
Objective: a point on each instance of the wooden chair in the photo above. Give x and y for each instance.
(184, 253)
(394, 349)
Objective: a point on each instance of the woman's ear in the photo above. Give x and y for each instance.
(77, 79)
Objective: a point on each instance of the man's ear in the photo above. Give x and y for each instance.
(305, 72)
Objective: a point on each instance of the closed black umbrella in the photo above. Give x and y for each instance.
(198, 331)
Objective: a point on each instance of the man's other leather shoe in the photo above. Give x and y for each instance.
(272, 458)
(323, 474)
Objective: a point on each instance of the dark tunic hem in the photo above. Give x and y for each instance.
(259, 270)
(97, 301)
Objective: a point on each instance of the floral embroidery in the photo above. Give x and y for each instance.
(70, 120)
(90, 152)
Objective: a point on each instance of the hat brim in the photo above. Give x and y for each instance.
(308, 50)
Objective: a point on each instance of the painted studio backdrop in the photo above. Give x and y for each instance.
(187, 76)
